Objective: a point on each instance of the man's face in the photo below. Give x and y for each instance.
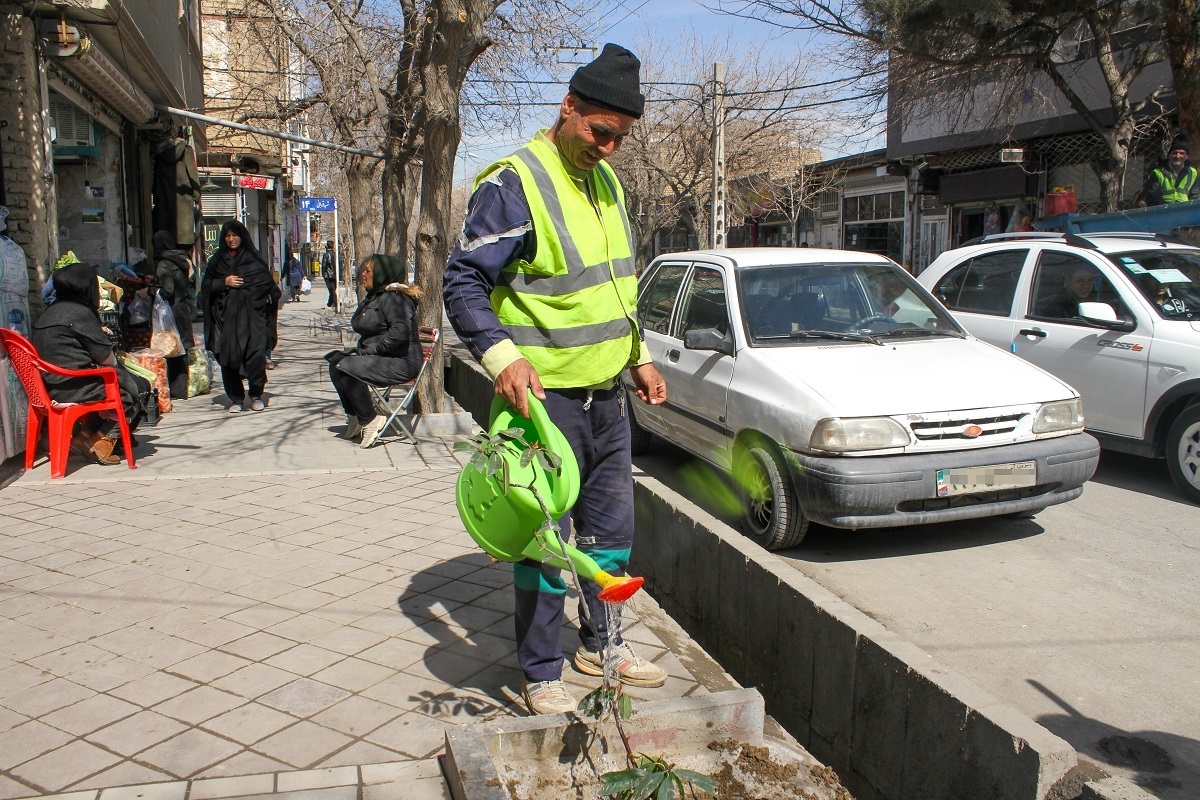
(1176, 158)
(1082, 284)
(589, 134)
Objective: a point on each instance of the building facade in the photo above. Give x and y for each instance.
(91, 161)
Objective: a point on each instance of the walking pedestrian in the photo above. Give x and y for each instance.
(329, 274)
(172, 273)
(295, 279)
(542, 288)
(240, 304)
(389, 347)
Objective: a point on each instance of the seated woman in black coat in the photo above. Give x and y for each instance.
(68, 334)
(389, 346)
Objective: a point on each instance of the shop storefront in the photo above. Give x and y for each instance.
(873, 221)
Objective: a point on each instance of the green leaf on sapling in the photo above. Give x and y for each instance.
(495, 463)
(624, 706)
(464, 445)
(613, 783)
(526, 457)
(697, 779)
(669, 788)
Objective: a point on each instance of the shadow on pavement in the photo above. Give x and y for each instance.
(1144, 475)
(470, 640)
(1148, 757)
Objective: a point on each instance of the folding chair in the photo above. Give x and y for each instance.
(393, 401)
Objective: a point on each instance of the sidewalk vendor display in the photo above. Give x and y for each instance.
(156, 362)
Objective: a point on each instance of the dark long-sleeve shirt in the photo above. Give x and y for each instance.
(497, 232)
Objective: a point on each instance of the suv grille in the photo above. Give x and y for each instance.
(953, 428)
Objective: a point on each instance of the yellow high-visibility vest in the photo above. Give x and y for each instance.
(571, 310)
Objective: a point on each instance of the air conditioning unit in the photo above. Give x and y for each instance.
(72, 125)
(1012, 155)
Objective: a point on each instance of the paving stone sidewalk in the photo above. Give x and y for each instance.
(260, 608)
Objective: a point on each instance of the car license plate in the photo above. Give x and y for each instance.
(974, 480)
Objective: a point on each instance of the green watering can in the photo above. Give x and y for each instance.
(509, 526)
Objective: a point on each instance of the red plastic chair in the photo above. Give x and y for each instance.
(61, 416)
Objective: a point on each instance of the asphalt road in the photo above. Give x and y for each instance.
(1084, 617)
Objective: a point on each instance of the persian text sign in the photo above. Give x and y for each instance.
(317, 204)
(254, 181)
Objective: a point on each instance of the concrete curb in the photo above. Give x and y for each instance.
(894, 723)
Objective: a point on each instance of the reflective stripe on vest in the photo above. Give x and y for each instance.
(569, 311)
(1173, 192)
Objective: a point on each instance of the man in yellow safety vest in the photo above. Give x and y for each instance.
(1173, 180)
(542, 288)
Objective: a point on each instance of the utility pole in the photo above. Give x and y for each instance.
(716, 224)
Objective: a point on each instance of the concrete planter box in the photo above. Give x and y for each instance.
(682, 727)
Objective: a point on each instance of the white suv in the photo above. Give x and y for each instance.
(1115, 315)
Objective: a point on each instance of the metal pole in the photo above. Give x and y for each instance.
(291, 137)
(716, 223)
(337, 262)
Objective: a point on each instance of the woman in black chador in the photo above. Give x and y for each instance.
(68, 334)
(241, 301)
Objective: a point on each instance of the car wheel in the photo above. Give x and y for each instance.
(1183, 453)
(772, 516)
(639, 437)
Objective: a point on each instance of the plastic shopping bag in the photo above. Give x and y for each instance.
(305, 286)
(165, 336)
(139, 310)
(199, 373)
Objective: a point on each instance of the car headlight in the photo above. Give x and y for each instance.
(837, 435)
(1059, 417)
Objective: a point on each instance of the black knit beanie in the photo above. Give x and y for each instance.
(612, 81)
(1179, 143)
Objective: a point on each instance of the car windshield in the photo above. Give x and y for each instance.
(822, 303)
(1169, 279)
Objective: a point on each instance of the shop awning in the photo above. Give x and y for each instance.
(80, 55)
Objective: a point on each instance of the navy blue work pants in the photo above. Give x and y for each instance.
(602, 519)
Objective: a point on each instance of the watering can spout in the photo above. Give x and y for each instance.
(509, 522)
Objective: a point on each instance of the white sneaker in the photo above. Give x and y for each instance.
(371, 432)
(632, 669)
(353, 427)
(236, 408)
(549, 697)
(257, 404)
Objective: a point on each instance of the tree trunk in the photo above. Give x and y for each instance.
(395, 206)
(360, 178)
(1183, 49)
(457, 38)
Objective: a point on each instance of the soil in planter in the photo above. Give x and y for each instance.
(754, 773)
(742, 772)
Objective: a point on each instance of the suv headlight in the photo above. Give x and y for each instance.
(1062, 416)
(837, 435)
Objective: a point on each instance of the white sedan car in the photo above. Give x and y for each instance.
(837, 390)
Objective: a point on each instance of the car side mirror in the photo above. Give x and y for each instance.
(708, 339)
(1102, 315)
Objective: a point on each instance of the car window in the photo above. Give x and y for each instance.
(1169, 279)
(659, 296)
(704, 303)
(805, 303)
(1063, 281)
(985, 284)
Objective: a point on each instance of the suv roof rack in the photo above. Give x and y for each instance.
(1009, 237)
(1081, 240)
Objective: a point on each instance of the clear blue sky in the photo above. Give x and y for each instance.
(627, 22)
